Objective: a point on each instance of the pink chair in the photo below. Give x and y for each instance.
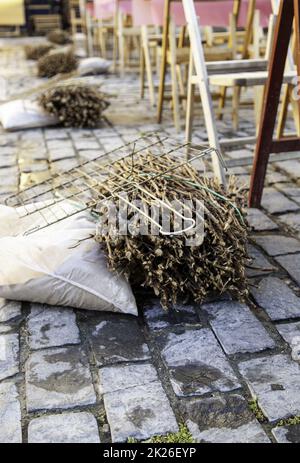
(210, 13)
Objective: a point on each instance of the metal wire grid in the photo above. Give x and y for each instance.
(81, 185)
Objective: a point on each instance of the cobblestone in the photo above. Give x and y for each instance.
(9, 355)
(275, 202)
(275, 382)
(289, 331)
(223, 419)
(10, 415)
(291, 265)
(9, 310)
(259, 264)
(196, 363)
(67, 428)
(292, 220)
(276, 297)
(275, 245)
(116, 339)
(51, 327)
(135, 402)
(287, 434)
(58, 378)
(237, 329)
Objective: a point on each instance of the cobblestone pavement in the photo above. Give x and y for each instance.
(62, 379)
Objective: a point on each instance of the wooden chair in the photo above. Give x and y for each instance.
(239, 73)
(289, 11)
(44, 23)
(175, 56)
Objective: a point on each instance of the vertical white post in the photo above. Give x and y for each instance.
(203, 83)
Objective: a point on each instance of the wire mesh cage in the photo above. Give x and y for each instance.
(92, 182)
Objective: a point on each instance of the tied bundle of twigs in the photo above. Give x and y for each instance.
(166, 264)
(57, 63)
(35, 52)
(59, 37)
(74, 104)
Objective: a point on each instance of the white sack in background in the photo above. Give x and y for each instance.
(24, 114)
(60, 265)
(94, 65)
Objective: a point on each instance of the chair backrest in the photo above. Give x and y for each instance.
(212, 12)
(106, 9)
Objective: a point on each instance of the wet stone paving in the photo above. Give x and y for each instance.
(228, 371)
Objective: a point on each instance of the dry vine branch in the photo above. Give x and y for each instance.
(164, 263)
(75, 105)
(56, 63)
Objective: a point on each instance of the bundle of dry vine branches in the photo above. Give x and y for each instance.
(59, 37)
(166, 264)
(35, 52)
(74, 104)
(55, 63)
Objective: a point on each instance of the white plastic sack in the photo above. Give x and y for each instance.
(60, 265)
(24, 114)
(93, 66)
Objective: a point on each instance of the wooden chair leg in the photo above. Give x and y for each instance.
(175, 95)
(142, 73)
(190, 104)
(235, 107)
(181, 85)
(147, 58)
(222, 102)
(258, 102)
(295, 109)
(282, 115)
(121, 44)
(115, 42)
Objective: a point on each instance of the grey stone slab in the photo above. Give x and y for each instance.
(239, 154)
(89, 155)
(275, 177)
(196, 363)
(287, 434)
(116, 378)
(292, 220)
(51, 327)
(292, 167)
(276, 245)
(275, 202)
(57, 145)
(58, 378)
(223, 419)
(60, 154)
(135, 402)
(237, 329)
(86, 144)
(9, 310)
(10, 415)
(56, 134)
(66, 428)
(292, 191)
(275, 381)
(116, 339)
(9, 355)
(277, 298)
(157, 318)
(259, 264)
(5, 328)
(290, 332)
(64, 164)
(291, 264)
